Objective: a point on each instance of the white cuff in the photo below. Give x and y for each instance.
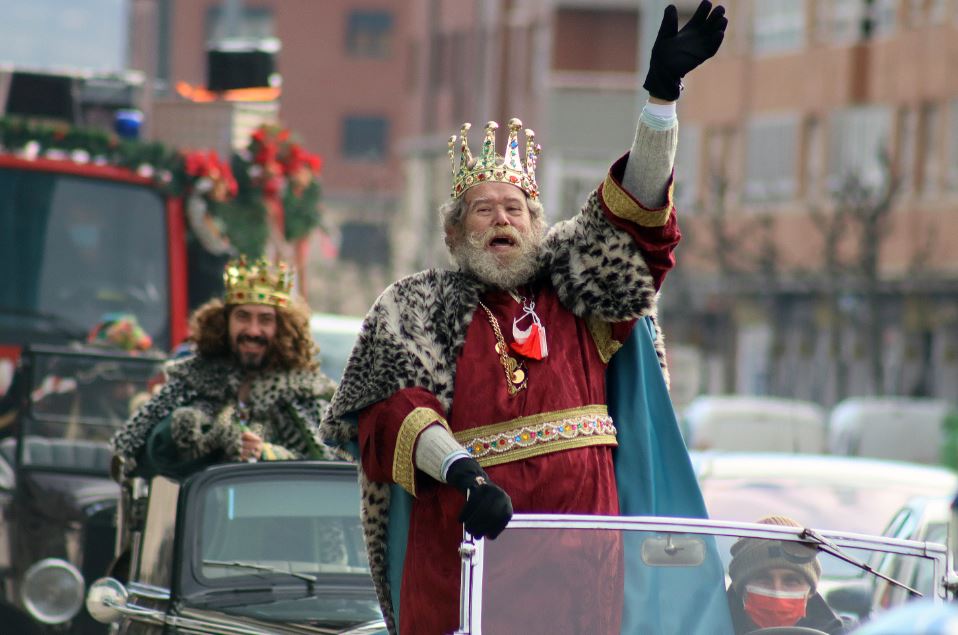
(433, 447)
(451, 458)
(664, 111)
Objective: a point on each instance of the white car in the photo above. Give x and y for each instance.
(900, 428)
(757, 424)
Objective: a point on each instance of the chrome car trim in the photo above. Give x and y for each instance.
(148, 591)
(732, 528)
(208, 624)
(471, 553)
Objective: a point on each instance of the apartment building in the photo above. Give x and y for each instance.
(817, 173)
(821, 201)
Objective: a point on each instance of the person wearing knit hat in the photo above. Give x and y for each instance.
(774, 583)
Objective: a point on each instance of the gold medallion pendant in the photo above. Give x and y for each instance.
(515, 370)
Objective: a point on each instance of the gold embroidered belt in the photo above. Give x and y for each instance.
(538, 434)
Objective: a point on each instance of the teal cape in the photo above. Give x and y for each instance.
(655, 478)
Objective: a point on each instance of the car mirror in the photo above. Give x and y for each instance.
(106, 600)
(673, 551)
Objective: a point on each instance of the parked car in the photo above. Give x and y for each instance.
(335, 335)
(269, 548)
(924, 518)
(899, 428)
(760, 424)
(57, 500)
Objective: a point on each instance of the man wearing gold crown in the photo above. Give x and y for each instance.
(476, 392)
(252, 391)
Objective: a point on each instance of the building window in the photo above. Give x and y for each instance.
(883, 18)
(906, 147)
(369, 33)
(937, 11)
(771, 148)
(587, 40)
(364, 244)
(778, 25)
(952, 142)
(247, 23)
(840, 21)
(857, 137)
(813, 160)
(365, 138)
(930, 131)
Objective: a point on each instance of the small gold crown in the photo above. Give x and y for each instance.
(258, 283)
(490, 166)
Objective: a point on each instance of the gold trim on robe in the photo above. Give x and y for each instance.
(404, 466)
(620, 203)
(539, 434)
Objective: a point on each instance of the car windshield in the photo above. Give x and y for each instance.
(858, 507)
(73, 249)
(642, 576)
(77, 401)
(300, 535)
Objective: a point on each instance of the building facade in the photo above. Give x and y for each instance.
(816, 174)
(825, 141)
(344, 71)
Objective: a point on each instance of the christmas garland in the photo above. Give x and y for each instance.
(225, 202)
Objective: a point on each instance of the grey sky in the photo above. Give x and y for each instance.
(64, 34)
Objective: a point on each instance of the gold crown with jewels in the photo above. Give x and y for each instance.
(491, 166)
(257, 282)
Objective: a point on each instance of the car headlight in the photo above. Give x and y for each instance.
(52, 591)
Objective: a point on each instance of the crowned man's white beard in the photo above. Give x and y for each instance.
(504, 270)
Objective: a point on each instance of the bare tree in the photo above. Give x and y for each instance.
(833, 227)
(868, 209)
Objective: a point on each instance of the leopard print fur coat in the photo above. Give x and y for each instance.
(415, 331)
(200, 395)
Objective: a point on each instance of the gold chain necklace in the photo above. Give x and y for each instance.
(516, 375)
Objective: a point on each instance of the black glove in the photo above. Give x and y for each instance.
(488, 508)
(676, 52)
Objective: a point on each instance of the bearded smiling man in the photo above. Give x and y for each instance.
(252, 391)
(482, 390)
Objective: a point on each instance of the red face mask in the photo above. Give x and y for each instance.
(769, 608)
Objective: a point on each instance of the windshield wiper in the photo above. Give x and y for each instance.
(239, 564)
(826, 545)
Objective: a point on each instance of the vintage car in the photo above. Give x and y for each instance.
(57, 500)
(549, 574)
(277, 548)
(269, 547)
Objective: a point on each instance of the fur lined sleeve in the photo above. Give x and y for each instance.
(598, 269)
(409, 339)
(131, 438)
